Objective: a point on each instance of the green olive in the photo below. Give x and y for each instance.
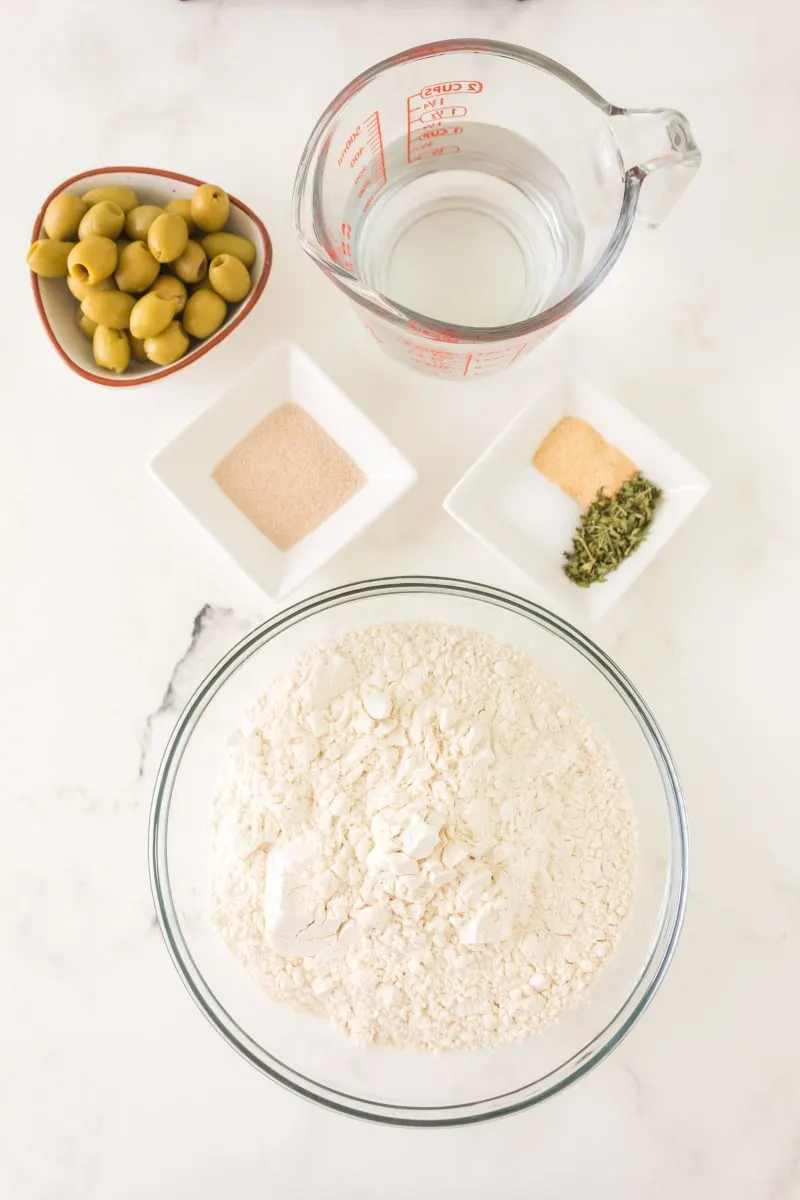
(86, 325)
(125, 197)
(184, 209)
(49, 257)
(139, 220)
(92, 260)
(150, 315)
(112, 309)
(192, 266)
(229, 243)
(111, 348)
(167, 237)
(137, 348)
(170, 288)
(104, 219)
(210, 208)
(168, 346)
(80, 290)
(136, 268)
(121, 243)
(63, 216)
(203, 286)
(204, 313)
(229, 277)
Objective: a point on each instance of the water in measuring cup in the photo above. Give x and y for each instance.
(485, 237)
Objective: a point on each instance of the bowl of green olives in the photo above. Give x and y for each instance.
(137, 272)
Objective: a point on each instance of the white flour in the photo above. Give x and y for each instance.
(418, 836)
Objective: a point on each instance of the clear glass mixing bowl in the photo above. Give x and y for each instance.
(306, 1054)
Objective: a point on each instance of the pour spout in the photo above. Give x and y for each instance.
(658, 147)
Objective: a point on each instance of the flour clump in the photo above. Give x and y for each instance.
(418, 836)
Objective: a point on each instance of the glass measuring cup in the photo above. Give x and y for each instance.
(469, 194)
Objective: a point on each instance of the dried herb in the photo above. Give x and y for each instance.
(611, 528)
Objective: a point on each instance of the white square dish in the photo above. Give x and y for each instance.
(285, 373)
(505, 502)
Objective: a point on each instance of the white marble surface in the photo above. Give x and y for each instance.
(112, 606)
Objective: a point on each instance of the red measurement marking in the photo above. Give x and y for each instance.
(442, 131)
(436, 358)
(432, 115)
(434, 334)
(378, 138)
(330, 247)
(456, 85)
(486, 361)
(351, 141)
(429, 118)
(362, 155)
(345, 247)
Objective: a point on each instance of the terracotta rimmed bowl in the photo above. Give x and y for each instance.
(57, 306)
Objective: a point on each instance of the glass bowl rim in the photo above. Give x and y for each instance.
(662, 947)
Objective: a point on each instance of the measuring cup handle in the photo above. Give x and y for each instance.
(659, 150)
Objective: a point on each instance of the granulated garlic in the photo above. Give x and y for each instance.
(580, 461)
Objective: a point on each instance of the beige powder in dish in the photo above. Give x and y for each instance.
(580, 461)
(288, 476)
